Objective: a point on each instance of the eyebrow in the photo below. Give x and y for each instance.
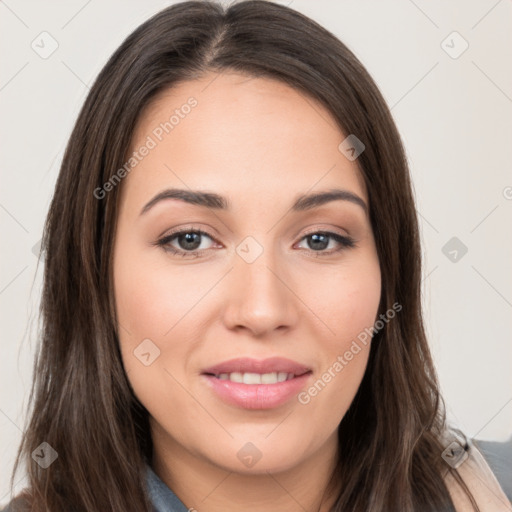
(218, 202)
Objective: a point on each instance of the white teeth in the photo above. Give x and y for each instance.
(269, 378)
(236, 377)
(282, 376)
(251, 378)
(256, 378)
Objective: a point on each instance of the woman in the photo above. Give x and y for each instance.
(231, 305)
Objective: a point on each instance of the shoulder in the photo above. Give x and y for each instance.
(464, 456)
(499, 457)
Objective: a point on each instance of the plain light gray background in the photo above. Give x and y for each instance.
(452, 105)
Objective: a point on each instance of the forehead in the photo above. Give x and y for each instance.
(242, 134)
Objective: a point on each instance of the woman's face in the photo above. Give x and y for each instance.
(279, 286)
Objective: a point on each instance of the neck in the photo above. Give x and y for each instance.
(205, 487)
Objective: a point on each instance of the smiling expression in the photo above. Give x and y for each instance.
(243, 235)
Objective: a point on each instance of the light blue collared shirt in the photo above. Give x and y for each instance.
(163, 499)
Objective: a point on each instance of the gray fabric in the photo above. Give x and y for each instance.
(163, 499)
(499, 457)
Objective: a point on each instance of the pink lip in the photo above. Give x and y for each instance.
(248, 365)
(257, 396)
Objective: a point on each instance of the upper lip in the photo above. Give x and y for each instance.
(249, 365)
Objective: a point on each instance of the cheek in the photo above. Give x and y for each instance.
(152, 298)
(349, 308)
(147, 309)
(346, 299)
(156, 307)
(143, 303)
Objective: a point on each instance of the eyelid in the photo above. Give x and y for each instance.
(187, 228)
(317, 229)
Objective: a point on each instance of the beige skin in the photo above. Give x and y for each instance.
(260, 144)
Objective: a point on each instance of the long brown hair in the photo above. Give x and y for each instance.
(81, 401)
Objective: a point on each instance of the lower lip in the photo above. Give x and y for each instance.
(257, 396)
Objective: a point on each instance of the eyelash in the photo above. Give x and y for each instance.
(345, 242)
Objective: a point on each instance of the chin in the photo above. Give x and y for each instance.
(260, 456)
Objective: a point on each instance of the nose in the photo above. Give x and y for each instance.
(260, 297)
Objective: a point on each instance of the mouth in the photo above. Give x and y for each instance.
(257, 384)
(255, 378)
(280, 366)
